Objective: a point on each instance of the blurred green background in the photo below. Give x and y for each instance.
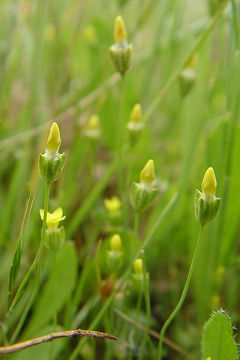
(55, 66)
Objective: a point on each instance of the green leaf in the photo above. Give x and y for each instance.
(218, 341)
(15, 265)
(57, 289)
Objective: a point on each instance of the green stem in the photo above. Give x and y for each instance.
(148, 312)
(126, 274)
(54, 320)
(136, 224)
(120, 130)
(182, 298)
(39, 265)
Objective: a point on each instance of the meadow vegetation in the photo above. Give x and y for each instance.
(119, 178)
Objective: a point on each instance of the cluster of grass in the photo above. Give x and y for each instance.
(55, 66)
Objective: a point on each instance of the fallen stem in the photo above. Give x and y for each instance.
(53, 336)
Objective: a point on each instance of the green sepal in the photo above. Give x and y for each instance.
(206, 208)
(121, 57)
(142, 196)
(187, 79)
(50, 168)
(114, 260)
(55, 238)
(138, 281)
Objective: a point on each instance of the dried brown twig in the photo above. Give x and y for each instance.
(53, 336)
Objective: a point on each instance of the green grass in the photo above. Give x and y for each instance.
(55, 66)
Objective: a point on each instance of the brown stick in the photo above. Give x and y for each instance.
(53, 336)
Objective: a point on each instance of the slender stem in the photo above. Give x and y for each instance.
(148, 312)
(54, 320)
(182, 298)
(120, 130)
(39, 265)
(136, 224)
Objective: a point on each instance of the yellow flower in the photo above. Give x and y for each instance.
(209, 182)
(136, 114)
(54, 218)
(116, 243)
(147, 174)
(54, 138)
(93, 122)
(138, 266)
(112, 204)
(120, 34)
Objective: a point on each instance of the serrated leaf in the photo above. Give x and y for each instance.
(54, 294)
(218, 341)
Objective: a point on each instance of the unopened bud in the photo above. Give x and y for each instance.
(143, 193)
(147, 174)
(54, 138)
(138, 266)
(209, 182)
(93, 127)
(116, 243)
(136, 113)
(51, 163)
(121, 51)
(135, 125)
(205, 202)
(114, 256)
(139, 275)
(120, 34)
(188, 76)
(187, 80)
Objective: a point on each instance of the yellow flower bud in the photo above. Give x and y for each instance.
(54, 138)
(116, 243)
(120, 34)
(54, 218)
(220, 271)
(209, 182)
(192, 61)
(215, 302)
(112, 204)
(90, 34)
(136, 114)
(93, 122)
(147, 174)
(138, 266)
(209, 358)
